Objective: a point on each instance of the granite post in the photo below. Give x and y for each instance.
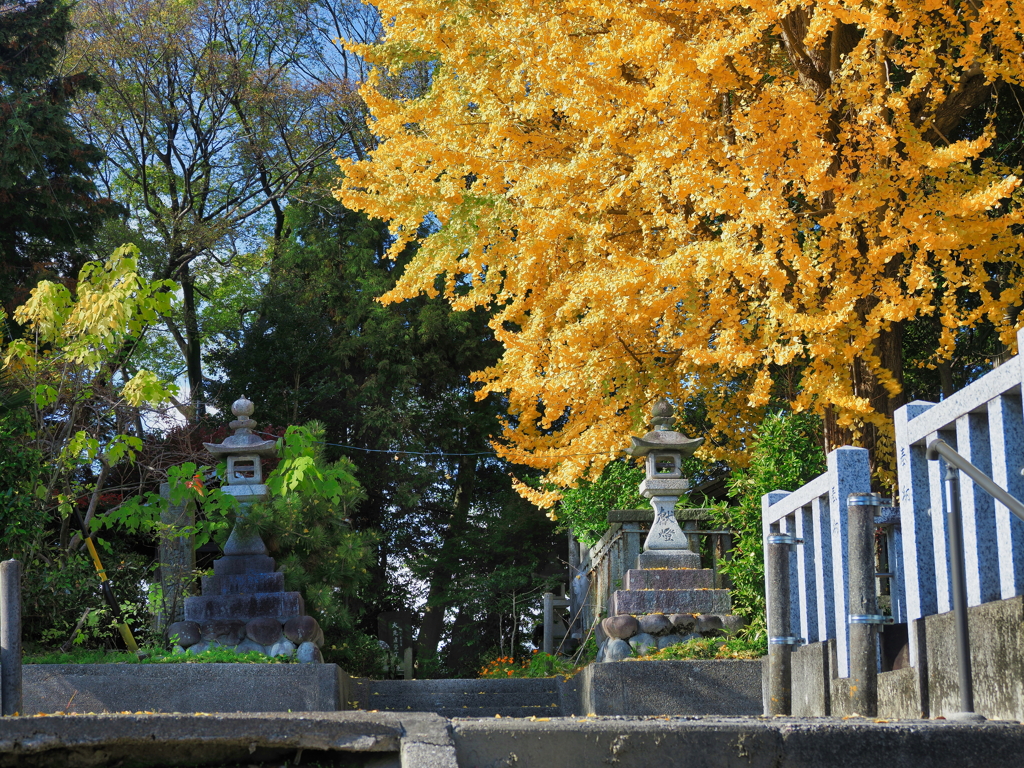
(10, 637)
(863, 615)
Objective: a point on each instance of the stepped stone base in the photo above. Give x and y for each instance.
(243, 583)
(697, 578)
(234, 564)
(244, 607)
(641, 601)
(676, 558)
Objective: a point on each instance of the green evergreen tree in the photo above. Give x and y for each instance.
(49, 204)
(393, 383)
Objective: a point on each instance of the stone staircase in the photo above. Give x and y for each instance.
(460, 698)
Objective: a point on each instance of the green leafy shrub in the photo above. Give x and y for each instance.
(539, 664)
(584, 510)
(787, 452)
(712, 648)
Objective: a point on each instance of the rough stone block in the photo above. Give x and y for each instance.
(679, 558)
(671, 601)
(733, 624)
(243, 583)
(278, 605)
(621, 627)
(692, 578)
(230, 565)
(656, 624)
(223, 631)
(188, 633)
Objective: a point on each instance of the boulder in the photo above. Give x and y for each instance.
(264, 630)
(617, 649)
(308, 653)
(302, 629)
(683, 622)
(654, 624)
(248, 646)
(733, 623)
(223, 631)
(620, 627)
(199, 647)
(667, 640)
(184, 633)
(709, 625)
(282, 648)
(643, 643)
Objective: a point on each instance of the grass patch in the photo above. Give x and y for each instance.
(710, 648)
(154, 656)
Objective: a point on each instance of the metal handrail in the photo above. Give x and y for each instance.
(941, 448)
(957, 568)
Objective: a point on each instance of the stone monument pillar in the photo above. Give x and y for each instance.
(244, 605)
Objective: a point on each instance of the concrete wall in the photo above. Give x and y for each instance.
(638, 688)
(184, 688)
(930, 688)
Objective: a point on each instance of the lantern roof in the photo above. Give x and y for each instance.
(243, 442)
(663, 437)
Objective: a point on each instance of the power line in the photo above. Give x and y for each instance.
(437, 453)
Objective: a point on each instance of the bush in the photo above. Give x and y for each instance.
(787, 453)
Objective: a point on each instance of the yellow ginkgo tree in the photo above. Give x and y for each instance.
(683, 198)
(73, 359)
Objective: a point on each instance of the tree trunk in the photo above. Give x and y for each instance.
(889, 349)
(193, 344)
(432, 626)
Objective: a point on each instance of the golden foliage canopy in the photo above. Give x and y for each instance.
(679, 197)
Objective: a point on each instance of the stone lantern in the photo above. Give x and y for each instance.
(244, 605)
(664, 450)
(244, 452)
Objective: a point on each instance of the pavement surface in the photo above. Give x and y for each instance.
(424, 740)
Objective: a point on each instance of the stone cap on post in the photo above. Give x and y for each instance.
(687, 515)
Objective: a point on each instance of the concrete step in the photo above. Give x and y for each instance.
(493, 701)
(689, 578)
(460, 698)
(488, 685)
(409, 740)
(638, 601)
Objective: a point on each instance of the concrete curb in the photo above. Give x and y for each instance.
(411, 741)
